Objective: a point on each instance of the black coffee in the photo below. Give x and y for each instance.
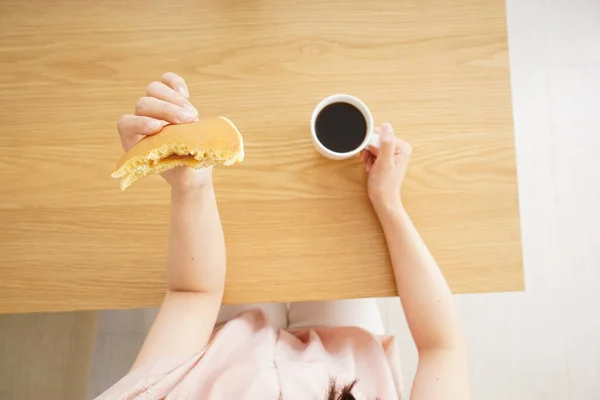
(341, 127)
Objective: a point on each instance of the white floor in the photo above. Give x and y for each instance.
(544, 343)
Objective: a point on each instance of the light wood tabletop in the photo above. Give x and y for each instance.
(298, 226)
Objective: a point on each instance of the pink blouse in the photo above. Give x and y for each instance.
(249, 359)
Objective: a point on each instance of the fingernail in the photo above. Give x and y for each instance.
(387, 128)
(183, 91)
(155, 124)
(191, 108)
(184, 115)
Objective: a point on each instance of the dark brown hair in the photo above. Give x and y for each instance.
(340, 392)
(336, 392)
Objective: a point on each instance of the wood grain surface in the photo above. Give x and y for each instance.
(298, 226)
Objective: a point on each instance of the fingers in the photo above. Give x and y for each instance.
(367, 158)
(139, 125)
(165, 93)
(387, 145)
(163, 110)
(176, 83)
(370, 161)
(383, 129)
(164, 103)
(393, 150)
(133, 127)
(373, 150)
(173, 90)
(403, 152)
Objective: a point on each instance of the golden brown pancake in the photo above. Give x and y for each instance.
(214, 141)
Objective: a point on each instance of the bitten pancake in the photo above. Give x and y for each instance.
(214, 141)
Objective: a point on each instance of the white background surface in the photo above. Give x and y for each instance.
(544, 343)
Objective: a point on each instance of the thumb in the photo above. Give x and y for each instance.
(387, 144)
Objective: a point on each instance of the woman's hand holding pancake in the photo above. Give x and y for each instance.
(165, 102)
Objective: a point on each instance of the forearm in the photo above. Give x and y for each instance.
(426, 298)
(195, 278)
(196, 255)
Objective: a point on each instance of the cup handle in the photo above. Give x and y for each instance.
(374, 140)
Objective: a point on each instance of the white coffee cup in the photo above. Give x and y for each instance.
(371, 138)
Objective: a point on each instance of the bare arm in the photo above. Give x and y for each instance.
(196, 250)
(426, 298)
(430, 311)
(195, 278)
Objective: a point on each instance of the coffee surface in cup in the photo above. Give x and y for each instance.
(341, 127)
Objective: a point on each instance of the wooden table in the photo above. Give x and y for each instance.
(298, 226)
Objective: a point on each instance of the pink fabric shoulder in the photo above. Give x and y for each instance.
(249, 359)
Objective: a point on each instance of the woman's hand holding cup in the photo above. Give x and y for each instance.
(386, 167)
(342, 127)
